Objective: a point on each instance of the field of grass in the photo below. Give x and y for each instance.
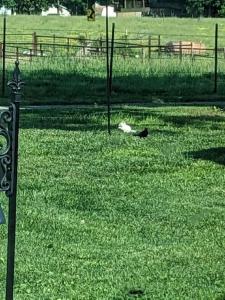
(83, 81)
(176, 27)
(135, 79)
(112, 217)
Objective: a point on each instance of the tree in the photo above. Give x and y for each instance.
(195, 7)
(36, 6)
(9, 3)
(75, 7)
(27, 6)
(31, 6)
(210, 8)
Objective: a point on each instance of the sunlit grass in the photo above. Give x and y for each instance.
(70, 79)
(83, 80)
(100, 217)
(74, 26)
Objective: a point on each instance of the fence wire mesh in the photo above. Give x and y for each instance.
(145, 65)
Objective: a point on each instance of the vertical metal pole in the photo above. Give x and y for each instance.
(68, 46)
(54, 43)
(34, 43)
(159, 45)
(107, 66)
(16, 97)
(111, 61)
(149, 46)
(17, 53)
(180, 50)
(3, 56)
(216, 59)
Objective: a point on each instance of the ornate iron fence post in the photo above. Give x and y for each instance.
(9, 130)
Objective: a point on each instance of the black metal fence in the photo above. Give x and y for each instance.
(9, 131)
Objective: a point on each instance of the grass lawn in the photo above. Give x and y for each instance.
(73, 26)
(112, 218)
(64, 77)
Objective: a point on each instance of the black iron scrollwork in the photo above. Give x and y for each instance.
(8, 120)
(9, 132)
(6, 117)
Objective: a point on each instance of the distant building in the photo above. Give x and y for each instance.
(167, 8)
(111, 12)
(100, 10)
(58, 10)
(132, 7)
(5, 11)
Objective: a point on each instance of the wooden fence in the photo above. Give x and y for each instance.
(148, 47)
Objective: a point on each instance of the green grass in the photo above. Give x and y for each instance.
(179, 27)
(104, 217)
(135, 79)
(83, 81)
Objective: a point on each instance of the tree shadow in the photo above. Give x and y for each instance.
(85, 119)
(216, 155)
(199, 121)
(70, 86)
(65, 119)
(212, 120)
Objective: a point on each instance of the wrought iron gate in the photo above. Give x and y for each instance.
(9, 130)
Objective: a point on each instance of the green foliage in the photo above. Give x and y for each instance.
(35, 6)
(221, 11)
(193, 7)
(28, 6)
(75, 6)
(9, 3)
(205, 7)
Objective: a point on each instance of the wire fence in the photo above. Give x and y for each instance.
(43, 45)
(36, 40)
(159, 55)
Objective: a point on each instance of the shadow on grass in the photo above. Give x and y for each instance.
(213, 120)
(65, 119)
(216, 155)
(216, 122)
(87, 119)
(179, 121)
(95, 118)
(80, 87)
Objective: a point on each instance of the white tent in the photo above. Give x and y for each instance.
(111, 12)
(5, 11)
(53, 10)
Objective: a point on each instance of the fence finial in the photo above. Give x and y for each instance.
(16, 84)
